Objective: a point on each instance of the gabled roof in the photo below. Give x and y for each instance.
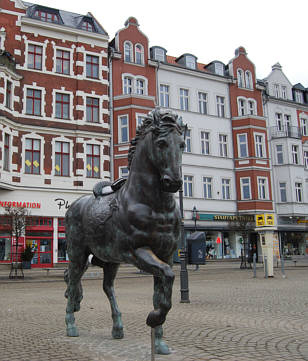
(66, 18)
(299, 86)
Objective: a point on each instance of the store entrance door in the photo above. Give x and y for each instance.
(42, 248)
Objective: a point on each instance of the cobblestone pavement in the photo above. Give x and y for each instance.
(231, 316)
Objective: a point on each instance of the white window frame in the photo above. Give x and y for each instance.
(6, 81)
(205, 142)
(223, 145)
(279, 121)
(164, 94)
(240, 78)
(207, 183)
(184, 99)
(295, 153)
(299, 196)
(304, 126)
(220, 106)
(276, 90)
(299, 96)
(159, 54)
(279, 153)
(251, 106)
(139, 118)
(9, 133)
(2, 38)
(141, 53)
(35, 136)
(188, 141)
(202, 101)
(260, 146)
(284, 93)
(71, 158)
(188, 179)
(242, 106)
(190, 62)
(121, 169)
(245, 185)
(248, 79)
(126, 87)
(306, 159)
(71, 51)
(120, 127)
(283, 191)
(239, 143)
(71, 102)
(131, 52)
(43, 45)
(43, 93)
(226, 188)
(262, 188)
(140, 90)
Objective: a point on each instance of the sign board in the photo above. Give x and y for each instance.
(269, 219)
(265, 220)
(260, 222)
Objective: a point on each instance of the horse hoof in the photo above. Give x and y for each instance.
(117, 333)
(161, 348)
(155, 318)
(72, 331)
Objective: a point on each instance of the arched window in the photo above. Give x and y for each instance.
(139, 54)
(240, 78)
(128, 53)
(242, 107)
(248, 79)
(252, 107)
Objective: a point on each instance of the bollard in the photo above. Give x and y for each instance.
(254, 265)
(265, 267)
(282, 266)
(152, 344)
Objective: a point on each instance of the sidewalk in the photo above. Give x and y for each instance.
(56, 274)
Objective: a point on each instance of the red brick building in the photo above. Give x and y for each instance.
(133, 87)
(54, 118)
(251, 153)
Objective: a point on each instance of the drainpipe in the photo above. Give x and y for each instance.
(110, 57)
(157, 85)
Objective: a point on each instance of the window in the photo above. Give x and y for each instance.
(188, 141)
(123, 172)
(190, 62)
(220, 101)
(8, 98)
(140, 86)
(241, 107)
(279, 154)
(240, 78)
(248, 79)
(139, 54)
(287, 123)
(279, 121)
(207, 187)
(245, 188)
(87, 26)
(92, 66)
(306, 159)
(128, 54)
(33, 102)
(139, 119)
(295, 154)
(205, 143)
(284, 92)
(93, 161)
(63, 62)
(262, 188)
(276, 91)
(62, 106)
(123, 129)
(251, 107)
(299, 192)
(219, 68)
(127, 85)
(304, 126)
(32, 156)
(183, 99)
(223, 145)
(35, 57)
(202, 103)
(260, 146)
(159, 54)
(92, 105)
(62, 155)
(283, 191)
(299, 96)
(164, 95)
(6, 152)
(225, 188)
(242, 145)
(188, 186)
(45, 16)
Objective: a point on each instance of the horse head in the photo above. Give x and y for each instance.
(167, 148)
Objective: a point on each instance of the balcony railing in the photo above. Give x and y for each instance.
(286, 132)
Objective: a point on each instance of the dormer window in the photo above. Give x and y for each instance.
(46, 16)
(190, 62)
(87, 26)
(299, 96)
(159, 54)
(219, 68)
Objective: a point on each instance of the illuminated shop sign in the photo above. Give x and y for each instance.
(20, 204)
(225, 217)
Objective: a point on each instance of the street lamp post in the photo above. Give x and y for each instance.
(194, 218)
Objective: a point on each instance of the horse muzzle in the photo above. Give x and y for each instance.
(170, 185)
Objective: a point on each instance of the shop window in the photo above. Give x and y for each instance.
(62, 252)
(5, 247)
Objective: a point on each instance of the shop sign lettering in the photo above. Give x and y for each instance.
(62, 203)
(20, 204)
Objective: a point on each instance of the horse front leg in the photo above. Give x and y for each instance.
(147, 261)
(110, 271)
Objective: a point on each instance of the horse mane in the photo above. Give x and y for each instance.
(160, 122)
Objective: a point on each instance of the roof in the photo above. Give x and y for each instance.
(67, 18)
(299, 86)
(172, 60)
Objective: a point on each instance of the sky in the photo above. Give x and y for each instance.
(271, 31)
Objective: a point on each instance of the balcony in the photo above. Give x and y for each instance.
(286, 132)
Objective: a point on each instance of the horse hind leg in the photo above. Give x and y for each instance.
(72, 277)
(110, 271)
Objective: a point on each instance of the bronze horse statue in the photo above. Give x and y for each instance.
(136, 221)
